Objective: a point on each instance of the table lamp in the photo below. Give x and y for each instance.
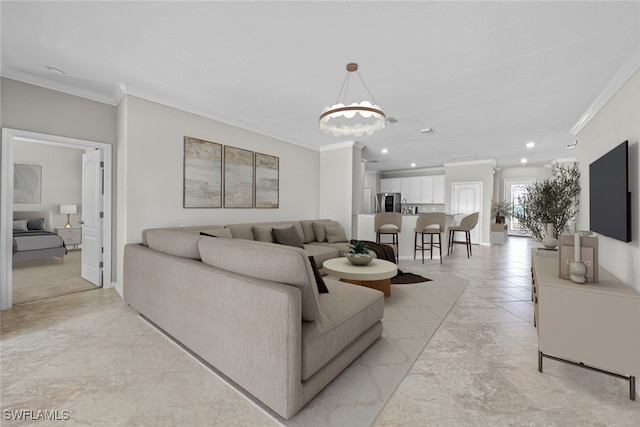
(68, 210)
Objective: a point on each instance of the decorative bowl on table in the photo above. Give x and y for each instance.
(359, 253)
(360, 259)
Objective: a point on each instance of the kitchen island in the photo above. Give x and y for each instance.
(365, 231)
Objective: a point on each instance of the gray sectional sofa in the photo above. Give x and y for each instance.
(251, 309)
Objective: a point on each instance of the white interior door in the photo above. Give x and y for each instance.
(92, 216)
(513, 189)
(466, 198)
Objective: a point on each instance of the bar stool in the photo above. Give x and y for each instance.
(388, 223)
(467, 224)
(432, 224)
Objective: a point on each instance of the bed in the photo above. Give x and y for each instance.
(33, 236)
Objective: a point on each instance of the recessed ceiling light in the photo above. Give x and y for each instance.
(384, 151)
(531, 144)
(523, 161)
(413, 165)
(426, 130)
(54, 70)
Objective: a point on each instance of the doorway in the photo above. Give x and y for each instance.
(466, 198)
(11, 136)
(514, 189)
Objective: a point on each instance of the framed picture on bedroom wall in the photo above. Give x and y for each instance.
(27, 183)
(238, 177)
(267, 181)
(202, 174)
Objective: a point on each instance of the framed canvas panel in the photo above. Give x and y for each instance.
(238, 177)
(202, 174)
(267, 181)
(27, 183)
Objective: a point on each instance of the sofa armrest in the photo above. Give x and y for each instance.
(248, 329)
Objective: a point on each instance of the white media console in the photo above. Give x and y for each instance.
(593, 325)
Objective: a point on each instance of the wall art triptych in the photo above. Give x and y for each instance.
(218, 176)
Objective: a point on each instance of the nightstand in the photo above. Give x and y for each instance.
(71, 236)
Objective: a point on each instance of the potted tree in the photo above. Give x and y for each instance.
(500, 210)
(547, 207)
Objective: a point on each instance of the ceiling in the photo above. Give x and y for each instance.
(487, 77)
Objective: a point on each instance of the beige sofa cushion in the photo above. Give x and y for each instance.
(194, 229)
(245, 231)
(319, 230)
(223, 233)
(321, 253)
(264, 233)
(346, 312)
(307, 229)
(342, 248)
(335, 234)
(268, 261)
(172, 242)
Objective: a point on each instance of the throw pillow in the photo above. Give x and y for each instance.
(35, 224)
(318, 229)
(287, 236)
(262, 233)
(20, 225)
(224, 233)
(322, 287)
(335, 234)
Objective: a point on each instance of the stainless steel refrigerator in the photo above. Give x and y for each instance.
(388, 202)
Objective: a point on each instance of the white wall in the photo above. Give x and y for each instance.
(150, 175)
(37, 109)
(61, 178)
(337, 184)
(535, 172)
(617, 121)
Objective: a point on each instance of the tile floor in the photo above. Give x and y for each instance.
(89, 354)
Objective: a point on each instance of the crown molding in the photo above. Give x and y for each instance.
(472, 162)
(626, 71)
(122, 89)
(344, 144)
(193, 109)
(112, 99)
(563, 160)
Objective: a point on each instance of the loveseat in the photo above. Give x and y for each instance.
(252, 309)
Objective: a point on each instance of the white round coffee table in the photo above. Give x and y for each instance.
(376, 275)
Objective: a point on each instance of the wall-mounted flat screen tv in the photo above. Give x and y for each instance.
(609, 197)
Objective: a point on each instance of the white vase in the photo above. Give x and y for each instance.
(577, 271)
(549, 241)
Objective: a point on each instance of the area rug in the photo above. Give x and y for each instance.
(356, 397)
(407, 278)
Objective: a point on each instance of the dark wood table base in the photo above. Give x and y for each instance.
(383, 285)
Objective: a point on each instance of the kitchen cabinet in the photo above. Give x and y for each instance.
(438, 189)
(412, 189)
(432, 189)
(416, 189)
(391, 185)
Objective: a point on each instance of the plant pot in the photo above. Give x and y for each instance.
(360, 259)
(499, 219)
(549, 241)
